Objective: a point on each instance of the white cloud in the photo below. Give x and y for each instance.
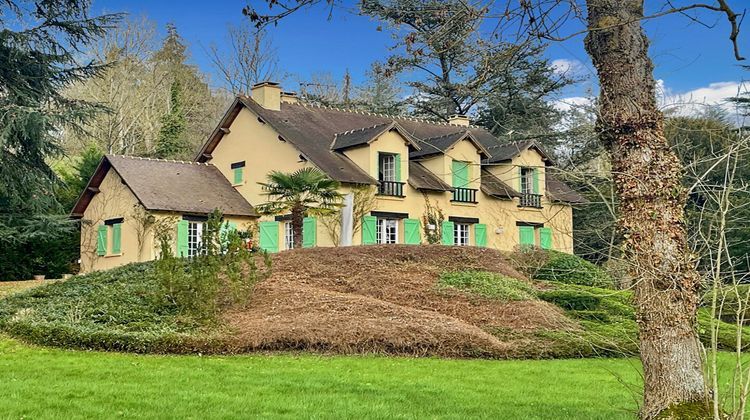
(568, 67)
(566, 104)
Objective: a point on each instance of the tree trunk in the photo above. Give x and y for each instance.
(647, 177)
(298, 215)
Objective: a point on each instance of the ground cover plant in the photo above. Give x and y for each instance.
(394, 300)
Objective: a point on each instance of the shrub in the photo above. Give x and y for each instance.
(571, 300)
(733, 302)
(571, 269)
(486, 284)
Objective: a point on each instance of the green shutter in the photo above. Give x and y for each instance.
(447, 233)
(545, 238)
(238, 175)
(309, 232)
(182, 238)
(412, 234)
(101, 240)
(398, 168)
(535, 175)
(117, 238)
(369, 230)
(480, 235)
(526, 236)
(269, 236)
(460, 174)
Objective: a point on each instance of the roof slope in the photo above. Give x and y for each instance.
(319, 132)
(186, 187)
(495, 187)
(560, 191)
(422, 179)
(313, 131)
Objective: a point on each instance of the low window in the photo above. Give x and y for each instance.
(195, 236)
(288, 235)
(387, 231)
(238, 173)
(461, 234)
(109, 237)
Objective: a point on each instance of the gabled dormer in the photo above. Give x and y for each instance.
(456, 158)
(382, 151)
(522, 165)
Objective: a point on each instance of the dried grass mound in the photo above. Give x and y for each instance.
(384, 299)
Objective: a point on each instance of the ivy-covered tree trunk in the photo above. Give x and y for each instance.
(647, 175)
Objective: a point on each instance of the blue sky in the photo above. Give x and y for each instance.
(691, 60)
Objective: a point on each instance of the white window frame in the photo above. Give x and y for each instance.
(527, 180)
(386, 231)
(195, 237)
(387, 165)
(288, 235)
(461, 235)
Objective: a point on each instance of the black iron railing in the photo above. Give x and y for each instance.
(465, 195)
(531, 200)
(392, 188)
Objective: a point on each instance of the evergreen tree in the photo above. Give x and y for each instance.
(171, 143)
(39, 62)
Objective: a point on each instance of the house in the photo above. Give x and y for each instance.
(491, 193)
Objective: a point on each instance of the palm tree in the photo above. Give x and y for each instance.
(306, 191)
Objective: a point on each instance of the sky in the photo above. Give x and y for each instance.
(692, 62)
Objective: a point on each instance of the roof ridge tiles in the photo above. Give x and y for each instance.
(184, 162)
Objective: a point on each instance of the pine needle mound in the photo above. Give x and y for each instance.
(386, 299)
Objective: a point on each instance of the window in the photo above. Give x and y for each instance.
(195, 234)
(387, 165)
(288, 235)
(238, 173)
(387, 231)
(461, 234)
(109, 237)
(527, 181)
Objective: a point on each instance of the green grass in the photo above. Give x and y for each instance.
(50, 383)
(10, 287)
(45, 383)
(486, 284)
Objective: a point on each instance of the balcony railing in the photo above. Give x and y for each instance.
(531, 200)
(391, 188)
(464, 195)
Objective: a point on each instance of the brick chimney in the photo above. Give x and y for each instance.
(267, 95)
(462, 120)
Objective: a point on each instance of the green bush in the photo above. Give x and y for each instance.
(572, 300)
(168, 305)
(567, 268)
(731, 301)
(486, 284)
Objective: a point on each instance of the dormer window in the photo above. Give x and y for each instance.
(389, 175)
(529, 187)
(527, 181)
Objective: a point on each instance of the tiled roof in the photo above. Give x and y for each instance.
(422, 179)
(495, 187)
(168, 185)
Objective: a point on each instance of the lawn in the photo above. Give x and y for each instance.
(40, 382)
(8, 287)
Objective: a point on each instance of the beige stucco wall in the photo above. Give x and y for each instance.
(258, 145)
(115, 200)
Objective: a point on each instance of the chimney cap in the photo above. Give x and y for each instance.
(459, 119)
(265, 83)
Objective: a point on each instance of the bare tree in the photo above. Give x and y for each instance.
(251, 58)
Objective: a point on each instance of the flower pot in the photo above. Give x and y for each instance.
(38, 276)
